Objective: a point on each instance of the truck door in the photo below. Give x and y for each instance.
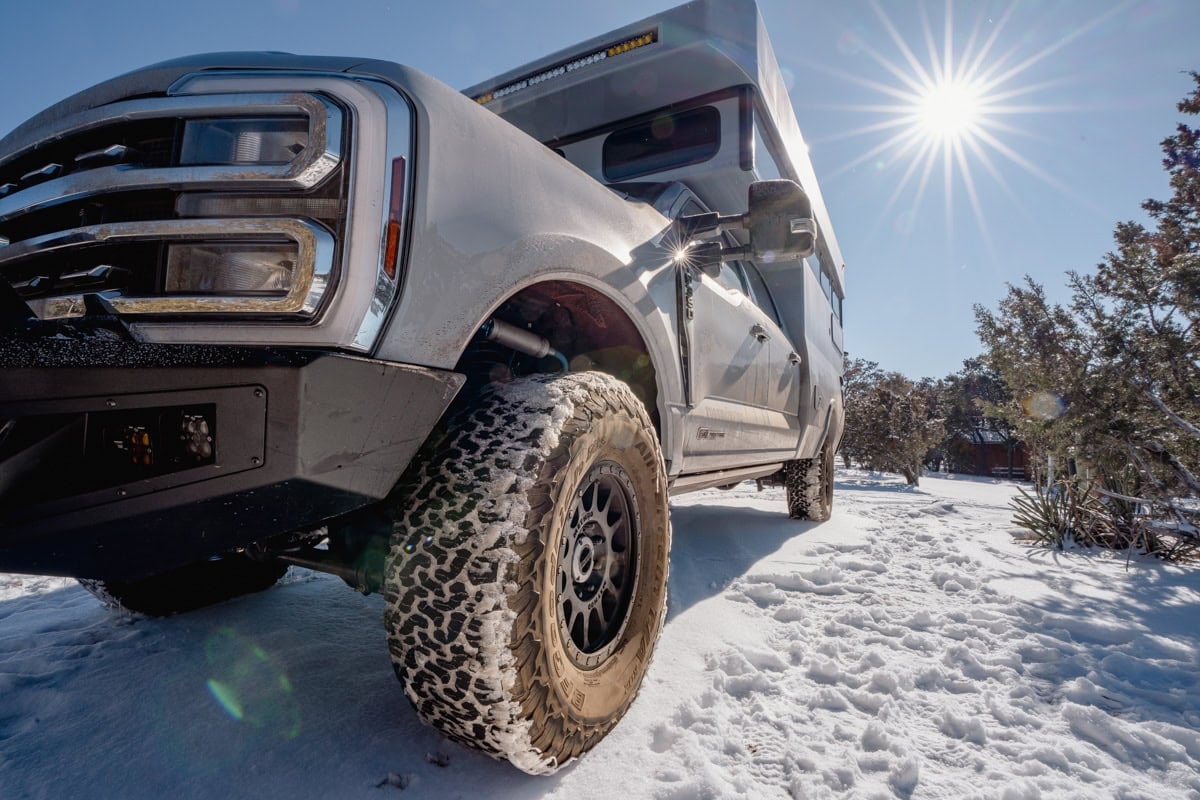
(743, 387)
(785, 372)
(727, 364)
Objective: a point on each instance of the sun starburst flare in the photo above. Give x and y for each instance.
(953, 109)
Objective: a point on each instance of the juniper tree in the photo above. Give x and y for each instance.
(890, 421)
(1116, 374)
(858, 375)
(963, 399)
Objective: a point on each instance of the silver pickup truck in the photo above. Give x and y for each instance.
(260, 310)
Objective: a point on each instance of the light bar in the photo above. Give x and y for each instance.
(616, 49)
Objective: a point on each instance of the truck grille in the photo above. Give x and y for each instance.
(93, 204)
(145, 144)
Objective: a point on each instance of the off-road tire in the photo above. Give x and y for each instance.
(809, 484)
(188, 588)
(472, 581)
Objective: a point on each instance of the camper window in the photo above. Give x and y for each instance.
(665, 142)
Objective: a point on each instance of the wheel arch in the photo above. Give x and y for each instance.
(597, 328)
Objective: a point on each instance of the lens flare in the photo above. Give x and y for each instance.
(226, 697)
(249, 686)
(1044, 406)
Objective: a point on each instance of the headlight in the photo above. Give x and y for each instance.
(231, 269)
(223, 142)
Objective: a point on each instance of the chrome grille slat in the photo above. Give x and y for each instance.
(314, 267)
(112, 151)
(317, 162)
(103, 180)
(182, 107)
(48, 171)
(350, 301)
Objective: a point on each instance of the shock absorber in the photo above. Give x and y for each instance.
(521, 340)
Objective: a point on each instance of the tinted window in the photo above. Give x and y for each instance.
(826, 283)
(758, 291)
(665, 142)
(730, 279)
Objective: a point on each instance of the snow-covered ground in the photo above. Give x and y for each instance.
(909, 647)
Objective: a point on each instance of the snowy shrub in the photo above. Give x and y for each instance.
(1088, 514)
(1068, 511)
(1160, 526)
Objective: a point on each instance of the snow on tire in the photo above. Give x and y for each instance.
(526, 581)
(809, 484)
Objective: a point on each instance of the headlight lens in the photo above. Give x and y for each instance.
(231, 268)
(222, 142)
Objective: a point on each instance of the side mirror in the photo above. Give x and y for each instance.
(779, 221)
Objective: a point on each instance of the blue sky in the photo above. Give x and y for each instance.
(1066, 142)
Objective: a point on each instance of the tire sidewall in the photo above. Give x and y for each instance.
(471, 607)
(827, 480)
(596, 696)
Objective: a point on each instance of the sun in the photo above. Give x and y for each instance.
(951, 109)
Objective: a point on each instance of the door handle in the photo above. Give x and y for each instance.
(760, 333)
(794, 358)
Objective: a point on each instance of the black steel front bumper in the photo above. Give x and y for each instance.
(104, 470)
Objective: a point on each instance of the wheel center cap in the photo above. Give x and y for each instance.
(584, 560)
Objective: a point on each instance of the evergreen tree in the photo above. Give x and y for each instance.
(890, 421)
(963, 399)
(858, 375)
(1116, 375)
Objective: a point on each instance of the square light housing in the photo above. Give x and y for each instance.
(228, 142)
(229, 268)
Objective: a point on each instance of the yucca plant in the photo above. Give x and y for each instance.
(1068, 510)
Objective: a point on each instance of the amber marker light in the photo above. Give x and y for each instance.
(391, 252)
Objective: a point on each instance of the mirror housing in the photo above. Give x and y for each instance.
(779, 221)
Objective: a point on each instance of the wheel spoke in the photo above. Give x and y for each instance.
(599, 610)
(578, 618)
(620, 535)
(603, 502)
(597, 552)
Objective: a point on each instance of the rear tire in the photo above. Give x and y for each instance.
(526, 583)
(809, 484)
(188, 588)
